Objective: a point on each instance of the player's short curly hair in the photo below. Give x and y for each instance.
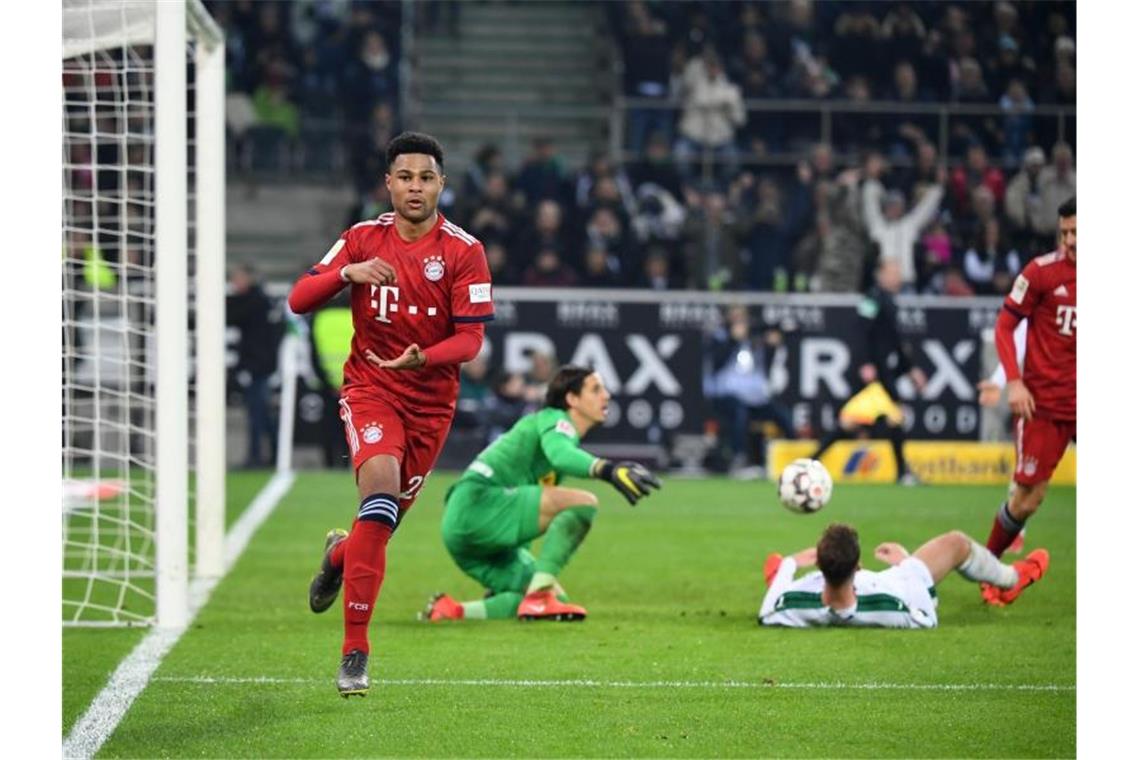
(414, 142)
(837, 553)
(568, 379)
(1068, 208)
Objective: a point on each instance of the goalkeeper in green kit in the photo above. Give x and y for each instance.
(509, 496)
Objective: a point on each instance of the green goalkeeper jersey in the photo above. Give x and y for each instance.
(541, 447)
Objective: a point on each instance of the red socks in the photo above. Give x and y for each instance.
(364, 556)
(1005, 530)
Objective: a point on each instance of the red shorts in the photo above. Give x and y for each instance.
(374, 427)
(1040, 445)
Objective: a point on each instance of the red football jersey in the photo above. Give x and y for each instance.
(441, 279)
(1045, 293)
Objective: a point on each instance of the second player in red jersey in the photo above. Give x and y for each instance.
(1044, 397)
(421, 292)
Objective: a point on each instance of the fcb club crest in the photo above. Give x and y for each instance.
(372, 432)
(433, 268)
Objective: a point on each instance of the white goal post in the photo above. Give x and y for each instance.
(143, 307)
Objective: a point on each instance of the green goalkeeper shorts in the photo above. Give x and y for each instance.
(487, 529)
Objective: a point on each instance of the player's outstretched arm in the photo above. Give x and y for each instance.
(1021, 400)
(632, 480)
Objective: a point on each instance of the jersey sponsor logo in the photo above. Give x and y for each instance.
(1020, 288)
(433, 268)
(564, 427)
(372, 432)
(480, 292)
(333, 252)
(1066, 319)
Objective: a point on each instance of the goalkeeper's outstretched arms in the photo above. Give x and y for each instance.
(632, 480)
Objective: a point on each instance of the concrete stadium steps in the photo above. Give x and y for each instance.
(514, 72)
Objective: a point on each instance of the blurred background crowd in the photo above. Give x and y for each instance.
(936, 145)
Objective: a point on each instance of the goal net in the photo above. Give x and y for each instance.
(143, 308)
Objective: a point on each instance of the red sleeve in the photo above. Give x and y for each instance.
(1026, 291)
(1007, 322)
(321, 282)
(460, 347)
(471, 287)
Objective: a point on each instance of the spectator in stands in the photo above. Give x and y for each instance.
(902, 35)
(656, 168)
(1017, 108)
(503, 271)
(272, 105)
(758, 78)
(604, 229)
(488, 160)
(548, 230)
(658, 272)
(647, 51)
(890, 225)
(1059, 180)
(833, 256)
(659, 217)
(1062, 90)
(1010, 64)
(542, 176)
(711, 250)
(601, 183)
(971, 86)
(371, 78)
(855, 48)
(601, 269)
(250, 311)
(990, 264)
(736, 381)
(976, 172)
(368, 143)
(492, 213)
(712, 111)
(1033, 225)
(549, 270)
(770, 223)
(969, 227)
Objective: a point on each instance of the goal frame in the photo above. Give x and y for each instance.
(169, 26)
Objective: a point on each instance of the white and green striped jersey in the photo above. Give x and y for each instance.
(899, 597)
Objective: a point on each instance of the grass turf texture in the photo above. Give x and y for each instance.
(672, 588)
(91, 655)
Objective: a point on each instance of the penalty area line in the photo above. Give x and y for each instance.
(136, 670)
(599, 684)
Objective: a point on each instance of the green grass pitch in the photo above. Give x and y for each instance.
(670, 662)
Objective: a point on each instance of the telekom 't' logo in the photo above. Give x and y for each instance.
(1066, 319)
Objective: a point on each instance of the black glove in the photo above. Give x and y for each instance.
(633, 481)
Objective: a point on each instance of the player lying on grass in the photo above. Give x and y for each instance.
(509, 496)
(903, 596)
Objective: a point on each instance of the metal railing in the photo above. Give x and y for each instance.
(827, 112)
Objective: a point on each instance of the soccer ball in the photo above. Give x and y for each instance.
(805, 486)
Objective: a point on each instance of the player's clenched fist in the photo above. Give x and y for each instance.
(632, 481)
(371, 272)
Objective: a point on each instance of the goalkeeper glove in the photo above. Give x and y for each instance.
(632, 481)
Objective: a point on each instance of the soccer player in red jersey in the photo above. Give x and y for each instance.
(1044, 397)
(421, 291)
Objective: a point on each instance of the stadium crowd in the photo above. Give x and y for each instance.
(959, 224)
(696, 200)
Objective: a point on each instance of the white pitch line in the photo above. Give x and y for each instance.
(594, 684)
(131, 677)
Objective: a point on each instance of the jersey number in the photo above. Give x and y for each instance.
(414, 484)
